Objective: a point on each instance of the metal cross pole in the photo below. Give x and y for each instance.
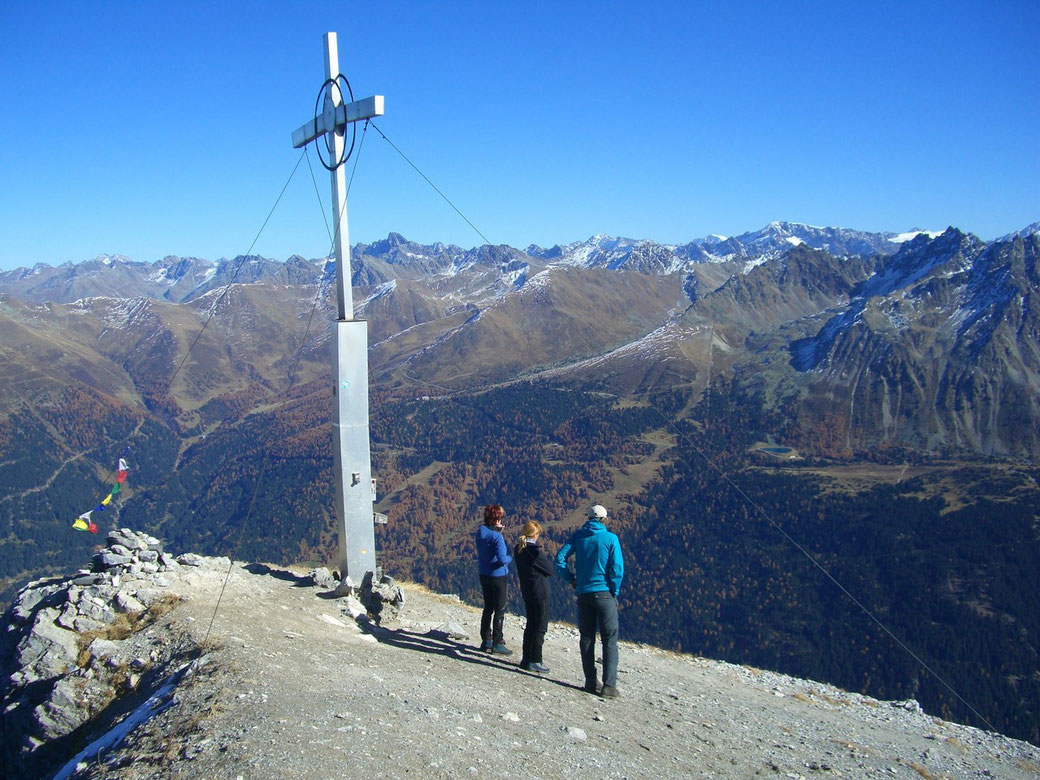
(351, 446)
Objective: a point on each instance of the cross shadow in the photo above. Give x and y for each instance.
(297, 580)
(440, 644)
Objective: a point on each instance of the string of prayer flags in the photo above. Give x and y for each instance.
(83, 522)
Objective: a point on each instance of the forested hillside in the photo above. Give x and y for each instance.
(942, 553)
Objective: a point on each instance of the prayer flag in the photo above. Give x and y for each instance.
(83, 522)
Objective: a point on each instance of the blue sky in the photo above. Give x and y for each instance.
(151, 129)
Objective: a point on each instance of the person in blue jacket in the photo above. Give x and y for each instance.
(493, 561)
(598, 570)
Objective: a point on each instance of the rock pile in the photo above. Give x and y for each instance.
(62, 655)
(382, 599)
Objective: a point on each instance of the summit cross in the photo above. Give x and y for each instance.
(332, 122)
(355, 488)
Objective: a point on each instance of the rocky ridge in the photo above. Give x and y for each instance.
(149, 665)
(176, 279)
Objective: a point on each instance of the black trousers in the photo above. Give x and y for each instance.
(494, 613)
(534, 632)
(598, 611)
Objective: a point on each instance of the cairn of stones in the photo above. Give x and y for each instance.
(61, 657)
(72, 647)
(381, 601)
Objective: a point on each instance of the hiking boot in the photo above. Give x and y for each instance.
(591, 688)
(538, 667)
(501, 650)
(609, 692)
(486, 646)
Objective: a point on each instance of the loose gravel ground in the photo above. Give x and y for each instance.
(292, 687)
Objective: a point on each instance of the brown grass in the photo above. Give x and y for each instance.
(125, 625)
(922, 771)
(1027, 765)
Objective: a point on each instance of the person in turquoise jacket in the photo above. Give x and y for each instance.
(493, 561)
(598, 570)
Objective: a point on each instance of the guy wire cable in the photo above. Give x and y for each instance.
(732, 484)
(165, 392)
(234, 276)
(436, 189)
(292, 380)
(744, 495)
(450, 395)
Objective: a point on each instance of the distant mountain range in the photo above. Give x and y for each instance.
(179, 279)
(919, 339)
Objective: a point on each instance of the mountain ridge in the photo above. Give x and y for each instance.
(446, 320)
(134, 682)
(177, 279)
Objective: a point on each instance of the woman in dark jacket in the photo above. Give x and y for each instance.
(534, 568)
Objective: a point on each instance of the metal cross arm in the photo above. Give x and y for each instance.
(336, 117)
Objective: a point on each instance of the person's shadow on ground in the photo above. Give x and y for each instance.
(439, 643)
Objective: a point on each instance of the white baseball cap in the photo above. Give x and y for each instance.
(597, 512)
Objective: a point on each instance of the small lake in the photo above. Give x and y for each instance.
(777, 450)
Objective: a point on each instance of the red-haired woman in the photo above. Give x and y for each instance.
(534, 568)
(493, 561)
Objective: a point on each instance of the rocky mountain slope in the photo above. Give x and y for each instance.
(148, 665)
(818, 321)
(940, 346)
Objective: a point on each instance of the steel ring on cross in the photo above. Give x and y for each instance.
(328, 104)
